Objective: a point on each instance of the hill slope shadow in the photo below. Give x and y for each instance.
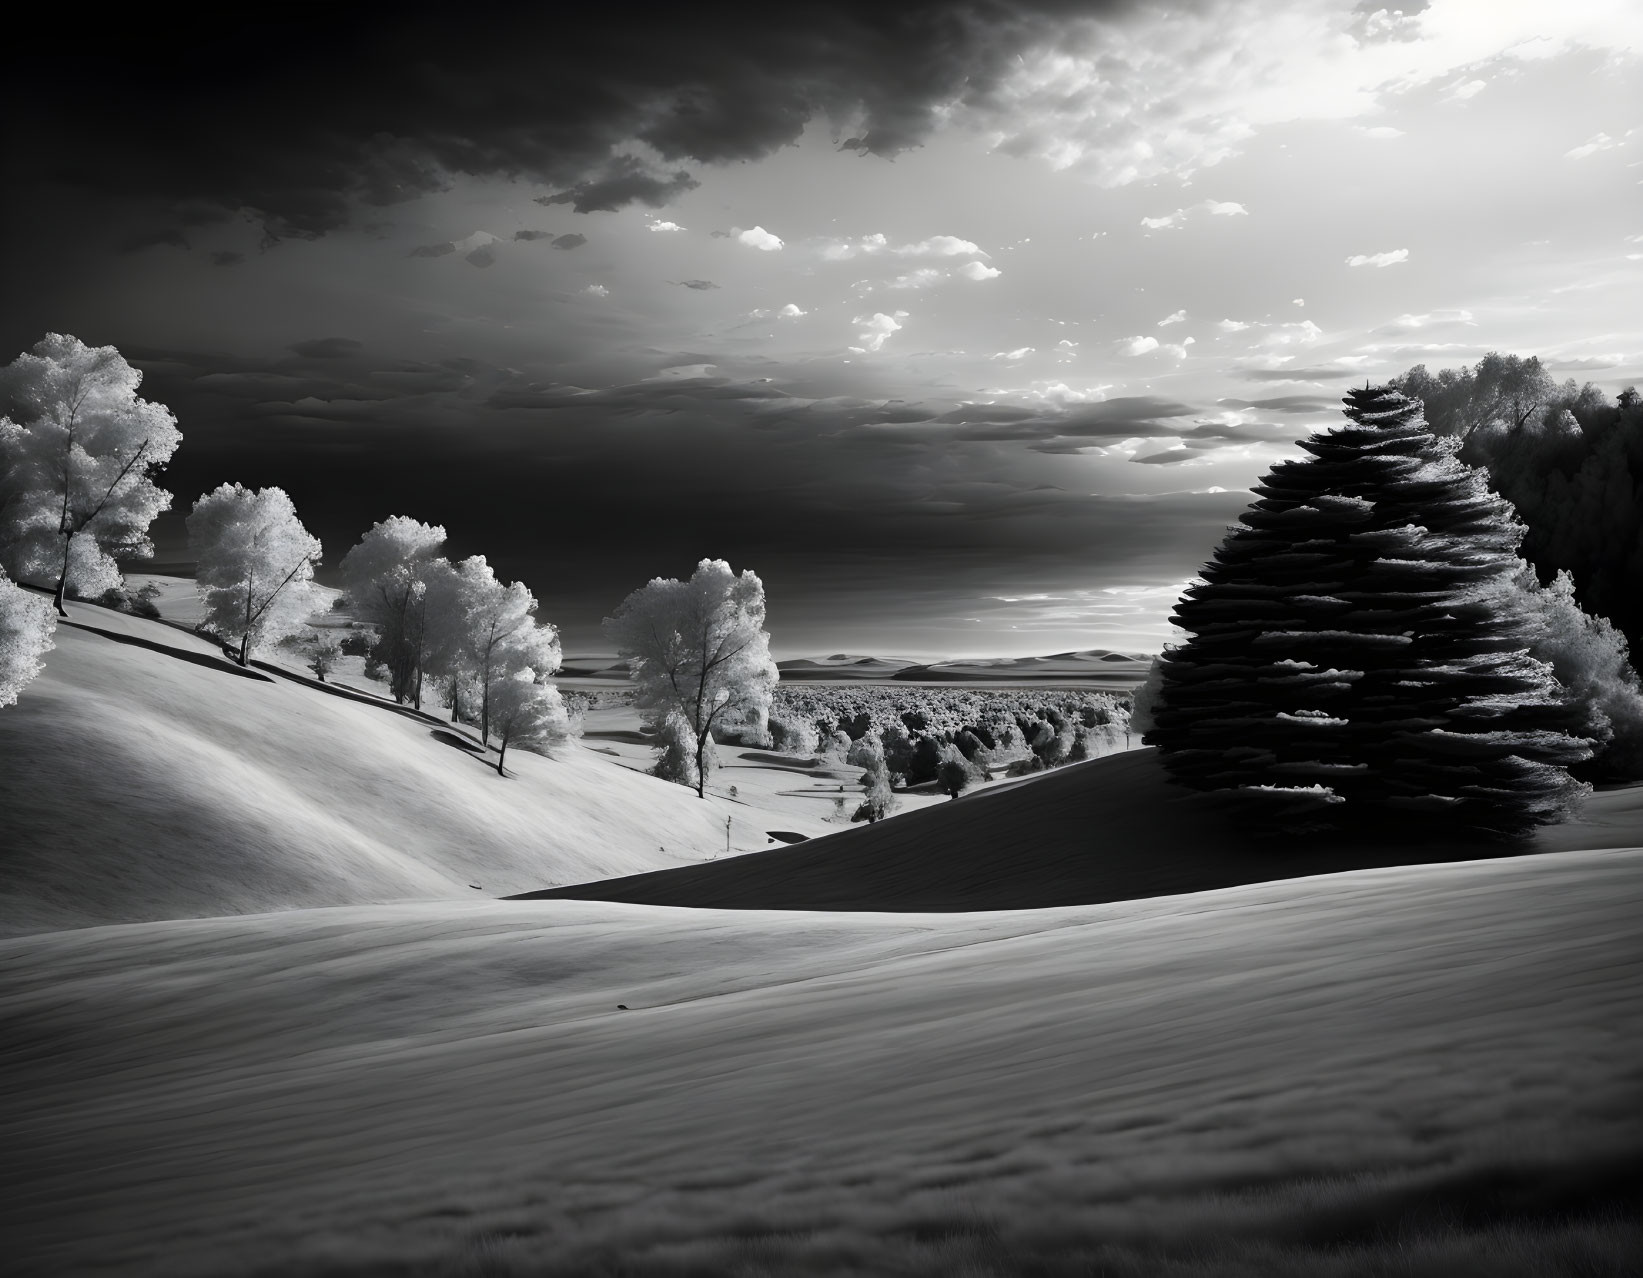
(1111, 829)
(181, 654)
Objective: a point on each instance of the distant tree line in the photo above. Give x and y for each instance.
(1569, 460)
(904, 736)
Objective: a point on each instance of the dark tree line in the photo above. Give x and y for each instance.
(1568, 459)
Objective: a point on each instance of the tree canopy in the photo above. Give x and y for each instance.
(255, 565)
(698, 655)
(27, 625)
(1569, 460)
(76, 486)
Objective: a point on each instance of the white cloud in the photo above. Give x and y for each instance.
(1066, 344)
(1232, 326)
(1137, 345)
(596, 290)
(1176, 318)
(1407, 323)
(1463, 91)
(656, 224)
(938, 246)
(1215, 208)
(1390, 258)
(979, 271)
(1304, 333)
(1298, 301)
(844, 250)
(792, 311)
(876, 330)
(1169, 90)
(871, 245)
(1597, 142)
(1020, 352)
(921, 278)
(1381, 132)
(759, 238)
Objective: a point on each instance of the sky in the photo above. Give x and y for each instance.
(967, 326)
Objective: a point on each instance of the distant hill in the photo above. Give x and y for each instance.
(1095, 665)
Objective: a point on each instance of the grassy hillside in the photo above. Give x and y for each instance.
(146, 777)
(1414, 1071)
(1111, 829)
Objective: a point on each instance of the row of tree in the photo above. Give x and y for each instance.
(78, 492)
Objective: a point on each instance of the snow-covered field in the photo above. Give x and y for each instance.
(1415, 1069)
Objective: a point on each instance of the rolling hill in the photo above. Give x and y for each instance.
(1111, 829)
(1414, 1070)
(1226, 1077)
(147, 777)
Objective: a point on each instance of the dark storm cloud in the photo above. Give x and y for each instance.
(484, 255)
(804, 491)
(1316, 373)
(625, 180)
(326, 348)
(168, 238)
(1166, 458)
(299, 118)
(699, 285)
(533, 235)
(432, 250)
(571, 241)
(1286, 404)
(227, 257)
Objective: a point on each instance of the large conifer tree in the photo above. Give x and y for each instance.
(1357, 648)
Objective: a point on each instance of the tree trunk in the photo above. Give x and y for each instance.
(701, 764)
(62, 579)
(501, 755)
(245, 648)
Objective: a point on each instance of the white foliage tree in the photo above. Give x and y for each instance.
(499, 632)
(386, 578)
(527, 712)
(27, 625)
(1588, 655)
(255, 565)
(697, 649)
(76, 486)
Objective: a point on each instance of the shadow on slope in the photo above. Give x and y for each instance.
(1112, 829)
(181, 654)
